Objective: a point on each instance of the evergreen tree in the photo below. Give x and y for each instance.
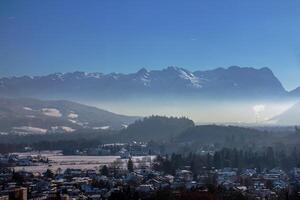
(49, 174)
(130, 165)
(104, 171)
(217, 160)
(17, 178)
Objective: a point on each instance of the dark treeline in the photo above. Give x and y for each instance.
(68, 143)
(227, 136)
(68, 147)
(78, 135)
(226, 157)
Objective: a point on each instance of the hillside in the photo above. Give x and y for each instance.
(36, 116)
(291, 117)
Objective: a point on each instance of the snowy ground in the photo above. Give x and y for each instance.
(57, 160)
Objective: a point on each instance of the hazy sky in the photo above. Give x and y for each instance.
(40, 37)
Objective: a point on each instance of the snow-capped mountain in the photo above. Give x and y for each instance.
(36, 116)
(232, 82)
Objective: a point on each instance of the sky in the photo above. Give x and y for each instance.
(41, 37)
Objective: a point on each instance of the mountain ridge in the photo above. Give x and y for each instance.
(240, 82)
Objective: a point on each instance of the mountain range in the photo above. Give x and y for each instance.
(205, 96)
(237, 82)
(24, 115)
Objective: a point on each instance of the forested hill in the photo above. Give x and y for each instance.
(156, 128)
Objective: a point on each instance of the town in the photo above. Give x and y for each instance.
(155, 177)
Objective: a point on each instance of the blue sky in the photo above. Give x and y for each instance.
(40, 37)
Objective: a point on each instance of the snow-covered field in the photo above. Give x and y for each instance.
(57, 160)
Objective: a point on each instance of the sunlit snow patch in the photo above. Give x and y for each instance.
(73, 121)
(27, 108)
(101, 128)
(124, 125)
(52, 112)
(29, 129)
(73, 115)
(67, 129)
(58, 129)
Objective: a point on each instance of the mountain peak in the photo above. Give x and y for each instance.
(234, 67)
(266, 70)
(173, 68)
(142, 71)
(178, 70)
